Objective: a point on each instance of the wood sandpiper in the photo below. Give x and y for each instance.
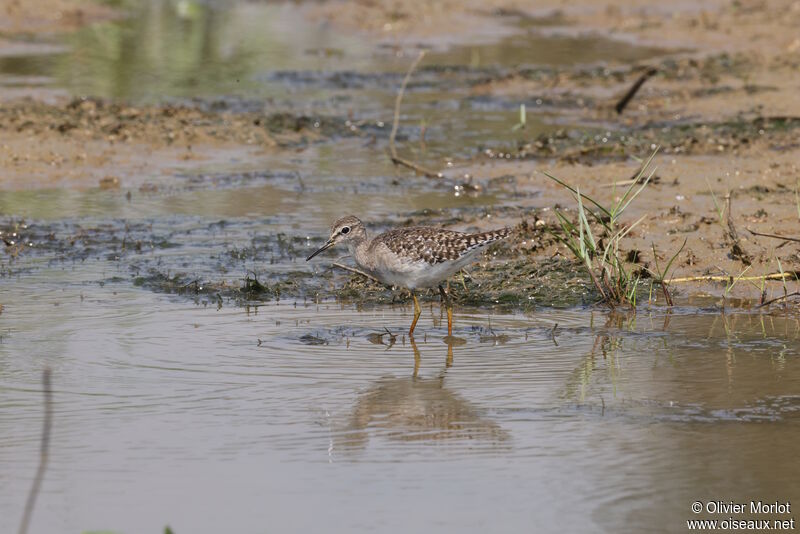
(413, 258)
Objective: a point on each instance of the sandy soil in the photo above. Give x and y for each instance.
(81, 142)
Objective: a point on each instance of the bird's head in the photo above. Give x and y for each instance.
(348, 230)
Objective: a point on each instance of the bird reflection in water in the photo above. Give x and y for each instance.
(416, 409)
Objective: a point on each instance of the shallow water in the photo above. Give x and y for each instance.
(302, 416)
(292, 416)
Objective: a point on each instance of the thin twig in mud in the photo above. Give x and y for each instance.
(782, 297)
(416, 167)
(623, 183)
(397, 160)
(780, 268)
(392, 337)
(354, 270)
(43, 452)
(637, 177)
(732, 233)
(623, 102)
(553, 334)
(720, 278)
(797, 198)
(775, 236)
(398, 101)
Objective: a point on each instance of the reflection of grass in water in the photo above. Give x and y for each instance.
(604, 355)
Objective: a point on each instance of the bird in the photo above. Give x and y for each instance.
(414, 257)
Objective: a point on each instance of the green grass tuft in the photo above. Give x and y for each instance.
(598, 247)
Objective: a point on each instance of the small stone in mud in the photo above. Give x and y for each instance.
(109, 182)
(685, 229)
(309, 339)
(497, 339)
(739, 253)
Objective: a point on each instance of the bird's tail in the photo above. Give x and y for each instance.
(484, 238)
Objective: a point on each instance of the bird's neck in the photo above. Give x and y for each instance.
(358, 248)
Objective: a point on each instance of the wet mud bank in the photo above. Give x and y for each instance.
(311, 134)
(232, 262)
(236, 262)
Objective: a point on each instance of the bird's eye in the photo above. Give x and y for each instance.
(345, 230)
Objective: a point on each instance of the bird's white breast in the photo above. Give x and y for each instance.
(393, 270)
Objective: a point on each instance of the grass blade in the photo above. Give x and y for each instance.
(669, 263)
(600, 207)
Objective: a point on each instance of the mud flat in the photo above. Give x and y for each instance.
(723, 112)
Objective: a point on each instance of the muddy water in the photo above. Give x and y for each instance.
(295, 418)
(293, 415)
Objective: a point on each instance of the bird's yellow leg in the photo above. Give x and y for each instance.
(449, 320)
(449, 306)
(417, 357)
(417, 313)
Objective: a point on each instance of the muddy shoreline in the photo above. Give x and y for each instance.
(724, 115)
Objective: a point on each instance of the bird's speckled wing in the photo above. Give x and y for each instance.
(434, 245)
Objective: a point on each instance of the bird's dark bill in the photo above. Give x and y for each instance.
(324, 247)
